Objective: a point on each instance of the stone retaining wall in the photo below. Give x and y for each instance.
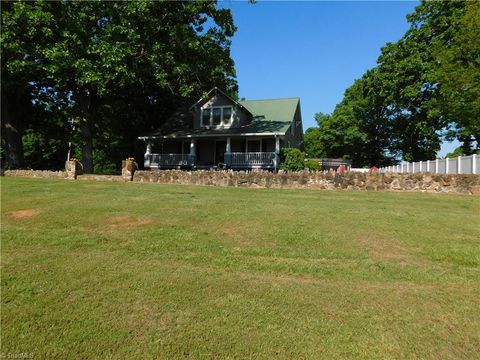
(425, 182)
(465, 184)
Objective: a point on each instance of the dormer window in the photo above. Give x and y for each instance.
(217, 116)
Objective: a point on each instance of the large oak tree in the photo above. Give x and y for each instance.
(116, 68)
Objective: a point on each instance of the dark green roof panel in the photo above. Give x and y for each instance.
(269, 116)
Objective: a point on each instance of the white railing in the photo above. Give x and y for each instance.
(458, 165)
(252, 158)
(158, 160)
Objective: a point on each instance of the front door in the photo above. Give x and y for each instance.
(220, 148)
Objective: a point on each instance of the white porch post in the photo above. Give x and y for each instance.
(146, 156)
(192, 147)
(228, 149)
(228, 153)
(277, 152)
(193, 152)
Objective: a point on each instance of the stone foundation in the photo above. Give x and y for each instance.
(422, 182)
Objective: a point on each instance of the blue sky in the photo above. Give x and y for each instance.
(311, 49)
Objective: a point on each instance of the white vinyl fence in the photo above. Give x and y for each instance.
(459, 165)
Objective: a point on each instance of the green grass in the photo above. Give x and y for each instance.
(129, 270)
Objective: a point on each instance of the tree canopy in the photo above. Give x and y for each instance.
(425, 88)
(115, 68)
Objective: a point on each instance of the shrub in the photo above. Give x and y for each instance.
(293, 160)
(312, 165)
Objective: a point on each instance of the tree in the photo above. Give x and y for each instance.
(115, 67)
(314, 147)
(356, 130)
(424, 84)
(25, 30)
(458, 76)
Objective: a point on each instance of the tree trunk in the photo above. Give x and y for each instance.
(87, 149)
(87, 104)
(11, 137)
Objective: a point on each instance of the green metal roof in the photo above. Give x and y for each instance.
(269, 116)
(274, 109)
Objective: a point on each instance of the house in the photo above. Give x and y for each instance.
(218, 131)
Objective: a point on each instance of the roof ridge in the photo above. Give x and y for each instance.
(288, 98)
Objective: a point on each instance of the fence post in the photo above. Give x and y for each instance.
(421, 167)
(474, 163)
(446, 165)
(459, 165)
(428, 165)
(436, 166)
(408, 167)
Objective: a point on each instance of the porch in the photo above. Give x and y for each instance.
(232, 153)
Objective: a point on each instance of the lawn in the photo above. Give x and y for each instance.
(131, 270)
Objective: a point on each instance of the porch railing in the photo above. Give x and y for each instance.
(169, 160)
(252, 159)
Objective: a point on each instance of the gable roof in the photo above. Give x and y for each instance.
(216, 90)
(282, 110)
(272, 116)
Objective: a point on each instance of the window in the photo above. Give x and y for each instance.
(217, 113)
(217, 116)
(227, 115)
(206, 117)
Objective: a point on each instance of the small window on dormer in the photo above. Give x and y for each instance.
(206, 117)
(227, 115)
(217, 116)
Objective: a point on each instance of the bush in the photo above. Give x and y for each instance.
(312, 165)
(293, 160)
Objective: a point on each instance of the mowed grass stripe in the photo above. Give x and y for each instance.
(120, 270)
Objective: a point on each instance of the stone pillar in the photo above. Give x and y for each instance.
(71, 169)
(128, 169)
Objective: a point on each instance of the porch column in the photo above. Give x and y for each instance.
(229, 146)
(147, 158)
(193, 151)
(227, 158)
(277, 152)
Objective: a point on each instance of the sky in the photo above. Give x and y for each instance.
(313, 50)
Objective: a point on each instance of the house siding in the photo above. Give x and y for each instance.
(239, 118)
